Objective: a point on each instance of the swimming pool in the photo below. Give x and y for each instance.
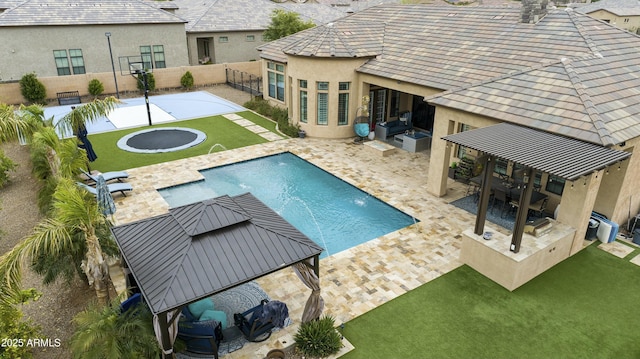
(335, 214)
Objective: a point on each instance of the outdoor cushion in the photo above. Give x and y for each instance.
(216, 315)
(197, 308)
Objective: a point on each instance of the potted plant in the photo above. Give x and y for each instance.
(302, 133)
(452, 170)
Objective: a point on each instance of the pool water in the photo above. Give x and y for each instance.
(333, 213)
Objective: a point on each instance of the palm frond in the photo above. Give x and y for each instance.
(87, 113)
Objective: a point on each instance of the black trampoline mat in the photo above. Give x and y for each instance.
(161, 139)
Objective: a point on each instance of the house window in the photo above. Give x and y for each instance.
(555, 185)
(394, 107)
(343, 103)
(380, 107)
(158, 56)
(303, 101)
(251, 38)
(145, 54)
(77, 61)
(275, 76)
(463, 150)
(500, 167)
(62, 62)
(626, 20)
(223, 39)
(323, 103)
(536, 181)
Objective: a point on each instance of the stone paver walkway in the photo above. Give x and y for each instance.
(356, 280)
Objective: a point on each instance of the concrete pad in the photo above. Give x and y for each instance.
(379, 148)
(136, 116)
(617, 249)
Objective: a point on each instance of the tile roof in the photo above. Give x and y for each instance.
(568, 73)
(85, 12)
(566, 158)
(246, 15)
(203, 248)
(616, 7)
(339, 40)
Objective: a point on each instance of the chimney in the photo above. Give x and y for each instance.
(533, 10)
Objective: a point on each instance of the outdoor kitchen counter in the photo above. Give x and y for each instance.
(493, 258)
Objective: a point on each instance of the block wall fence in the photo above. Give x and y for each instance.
(203, 75)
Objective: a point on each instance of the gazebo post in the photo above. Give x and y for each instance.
(485, 189)
(316, 265)
(167, 348)
(523, 210)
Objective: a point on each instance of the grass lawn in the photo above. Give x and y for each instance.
(583, 307)
(218, 130)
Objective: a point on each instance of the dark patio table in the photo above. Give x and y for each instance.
(512, 189)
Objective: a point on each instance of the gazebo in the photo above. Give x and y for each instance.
(200, 249)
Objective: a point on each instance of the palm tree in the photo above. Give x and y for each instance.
(103, 332)
(79, 116)
(70, 232)
(21, 121)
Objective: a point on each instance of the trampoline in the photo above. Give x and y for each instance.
(163, 139)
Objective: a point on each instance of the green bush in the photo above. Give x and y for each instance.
(318, 338)
(277, 114)
(12, 326)
(32, 89)
(187, 80)
(151, 82)
(96, 88)
(6, 165)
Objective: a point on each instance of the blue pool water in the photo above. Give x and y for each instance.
(335, 214)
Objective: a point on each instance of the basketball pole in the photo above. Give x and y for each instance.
(146, 95)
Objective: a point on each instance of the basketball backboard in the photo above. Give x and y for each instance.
(132, 65)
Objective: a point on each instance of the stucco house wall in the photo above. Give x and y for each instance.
(18, 59)
(630, 23)
(239, 46)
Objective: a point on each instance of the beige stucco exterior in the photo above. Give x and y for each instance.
(16, 59)
(630, 23)
(239, 46)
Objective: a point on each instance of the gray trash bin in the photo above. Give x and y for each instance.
(592, 230)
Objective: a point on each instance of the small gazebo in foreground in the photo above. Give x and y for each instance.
(200, 249)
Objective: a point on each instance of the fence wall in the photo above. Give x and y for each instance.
(244, 81)
(203, 75)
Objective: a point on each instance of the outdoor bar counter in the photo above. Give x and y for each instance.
(493, 259)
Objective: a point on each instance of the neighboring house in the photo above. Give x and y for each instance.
(68, 37)
(624, 14)
(225, 31)
(560, 72)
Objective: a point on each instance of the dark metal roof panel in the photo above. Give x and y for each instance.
(206, 216)
(560, 156)
(174, 268)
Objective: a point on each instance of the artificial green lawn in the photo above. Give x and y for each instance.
(584, 307)
(218, 130)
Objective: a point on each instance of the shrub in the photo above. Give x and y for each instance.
(13, 326)
(277, 114)
(96, 88)
(187, 80)
(32, 89)
(6, 165)
(318, 338)
(151, 82)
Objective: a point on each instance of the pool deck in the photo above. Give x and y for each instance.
(358, 279)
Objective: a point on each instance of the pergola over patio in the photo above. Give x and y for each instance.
(204, 248)
(564, 157)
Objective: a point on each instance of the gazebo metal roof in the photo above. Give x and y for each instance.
(200, 249)
(564, 157)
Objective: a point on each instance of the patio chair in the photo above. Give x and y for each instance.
(108, 176)
(257, 323)
(200, 337)
(113, 187)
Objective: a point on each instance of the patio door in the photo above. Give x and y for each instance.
(378, 105)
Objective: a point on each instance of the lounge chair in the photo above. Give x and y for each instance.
(108, 176)
(113, 187)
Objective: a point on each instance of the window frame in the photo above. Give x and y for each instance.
(322, 103)
(62, 62)
(344, 90)
(275, 81)
(304, 101)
